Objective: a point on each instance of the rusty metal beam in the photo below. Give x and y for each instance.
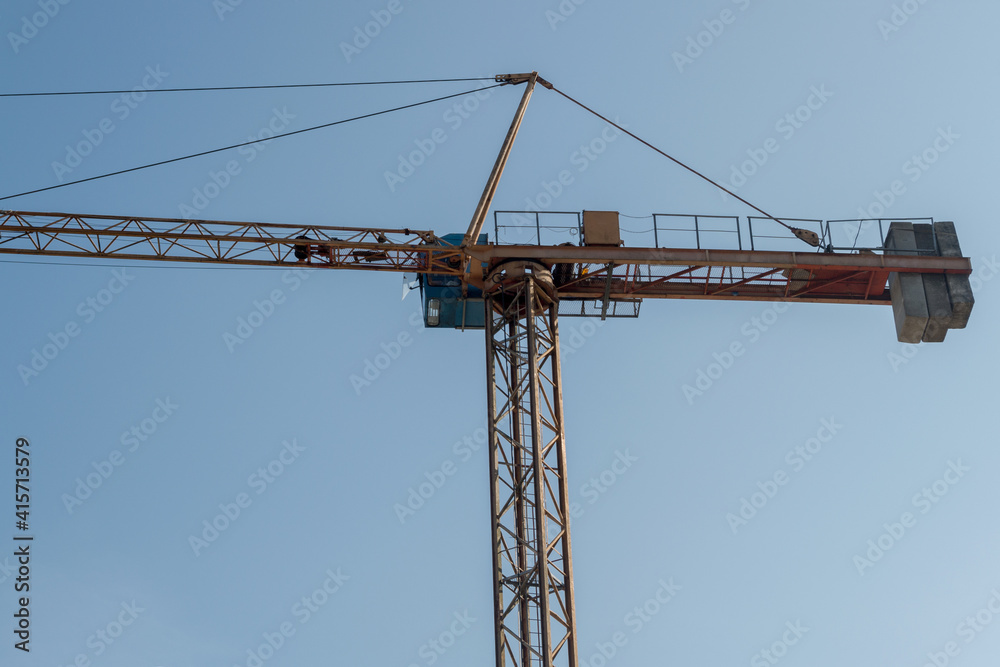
(745, 281)
(746, 258)
(698, 292)
(56, 217)
(833, 278)
(223, 242)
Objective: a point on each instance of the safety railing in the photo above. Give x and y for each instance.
(695, 231)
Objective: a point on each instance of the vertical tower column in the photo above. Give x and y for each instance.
(532, 565)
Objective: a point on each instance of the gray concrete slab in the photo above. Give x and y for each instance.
(909, 301)
(939, 315)
(959, 288)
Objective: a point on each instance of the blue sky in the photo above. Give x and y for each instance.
(274, 428)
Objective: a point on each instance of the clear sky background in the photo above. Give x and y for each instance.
(901, 422)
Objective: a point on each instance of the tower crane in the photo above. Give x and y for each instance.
(516, 293)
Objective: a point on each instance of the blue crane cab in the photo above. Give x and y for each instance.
(442, 299)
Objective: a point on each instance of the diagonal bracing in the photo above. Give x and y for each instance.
(534, 613)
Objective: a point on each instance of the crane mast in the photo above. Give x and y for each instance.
(519, 292)
(532, 558)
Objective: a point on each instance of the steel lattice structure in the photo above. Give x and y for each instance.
(535, 620)
(611, 273)
(223, 242)
(532, 562)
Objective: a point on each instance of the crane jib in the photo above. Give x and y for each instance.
(611, 275)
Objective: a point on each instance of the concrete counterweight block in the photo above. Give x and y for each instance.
(939, 312)
(959, 289)
(909, 300)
